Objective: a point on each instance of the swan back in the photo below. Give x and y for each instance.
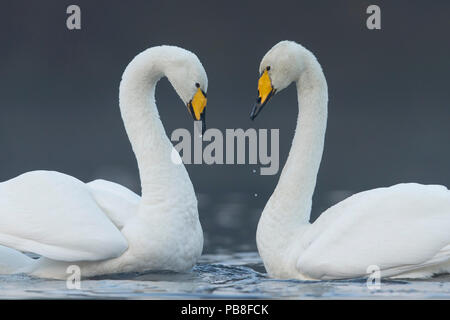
(399, 229)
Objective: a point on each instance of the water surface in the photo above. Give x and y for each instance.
(219, 276)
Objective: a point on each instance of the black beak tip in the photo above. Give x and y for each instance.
(203, 129)
(255, 110)
(259, 106)
(203, 120)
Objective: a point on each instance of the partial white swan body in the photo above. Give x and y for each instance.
(403, 230)
(103, 227)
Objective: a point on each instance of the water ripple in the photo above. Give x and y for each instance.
(218, 276)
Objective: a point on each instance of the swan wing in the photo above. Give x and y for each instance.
(118, 202)
(398, 229)
(55, 215)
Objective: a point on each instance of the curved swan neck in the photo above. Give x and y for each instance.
(145, 130)
(292, 198)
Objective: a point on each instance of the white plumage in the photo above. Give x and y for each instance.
(101, 226)
(404, 229)
(55, 215)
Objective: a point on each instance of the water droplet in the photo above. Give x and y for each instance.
(254, 170)
(256, 195)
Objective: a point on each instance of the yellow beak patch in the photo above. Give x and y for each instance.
(264, 87)
(198, 104)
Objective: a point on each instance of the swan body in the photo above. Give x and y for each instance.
(404, 230)
(101, 226)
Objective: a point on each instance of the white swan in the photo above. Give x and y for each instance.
(101, 226)
(404, 230)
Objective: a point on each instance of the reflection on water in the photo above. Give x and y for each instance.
(219, 276)
(230, 268)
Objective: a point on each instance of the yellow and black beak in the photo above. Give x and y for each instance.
(265, 92)
(197, 108)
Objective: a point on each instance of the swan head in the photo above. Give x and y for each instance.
(188, 77)
(280, 66)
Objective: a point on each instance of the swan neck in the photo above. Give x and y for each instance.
(292, 197)
(151, 146)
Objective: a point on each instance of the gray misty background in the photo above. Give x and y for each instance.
(389, 93)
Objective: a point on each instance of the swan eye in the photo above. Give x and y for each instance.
(197, 85)
(268, 68)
